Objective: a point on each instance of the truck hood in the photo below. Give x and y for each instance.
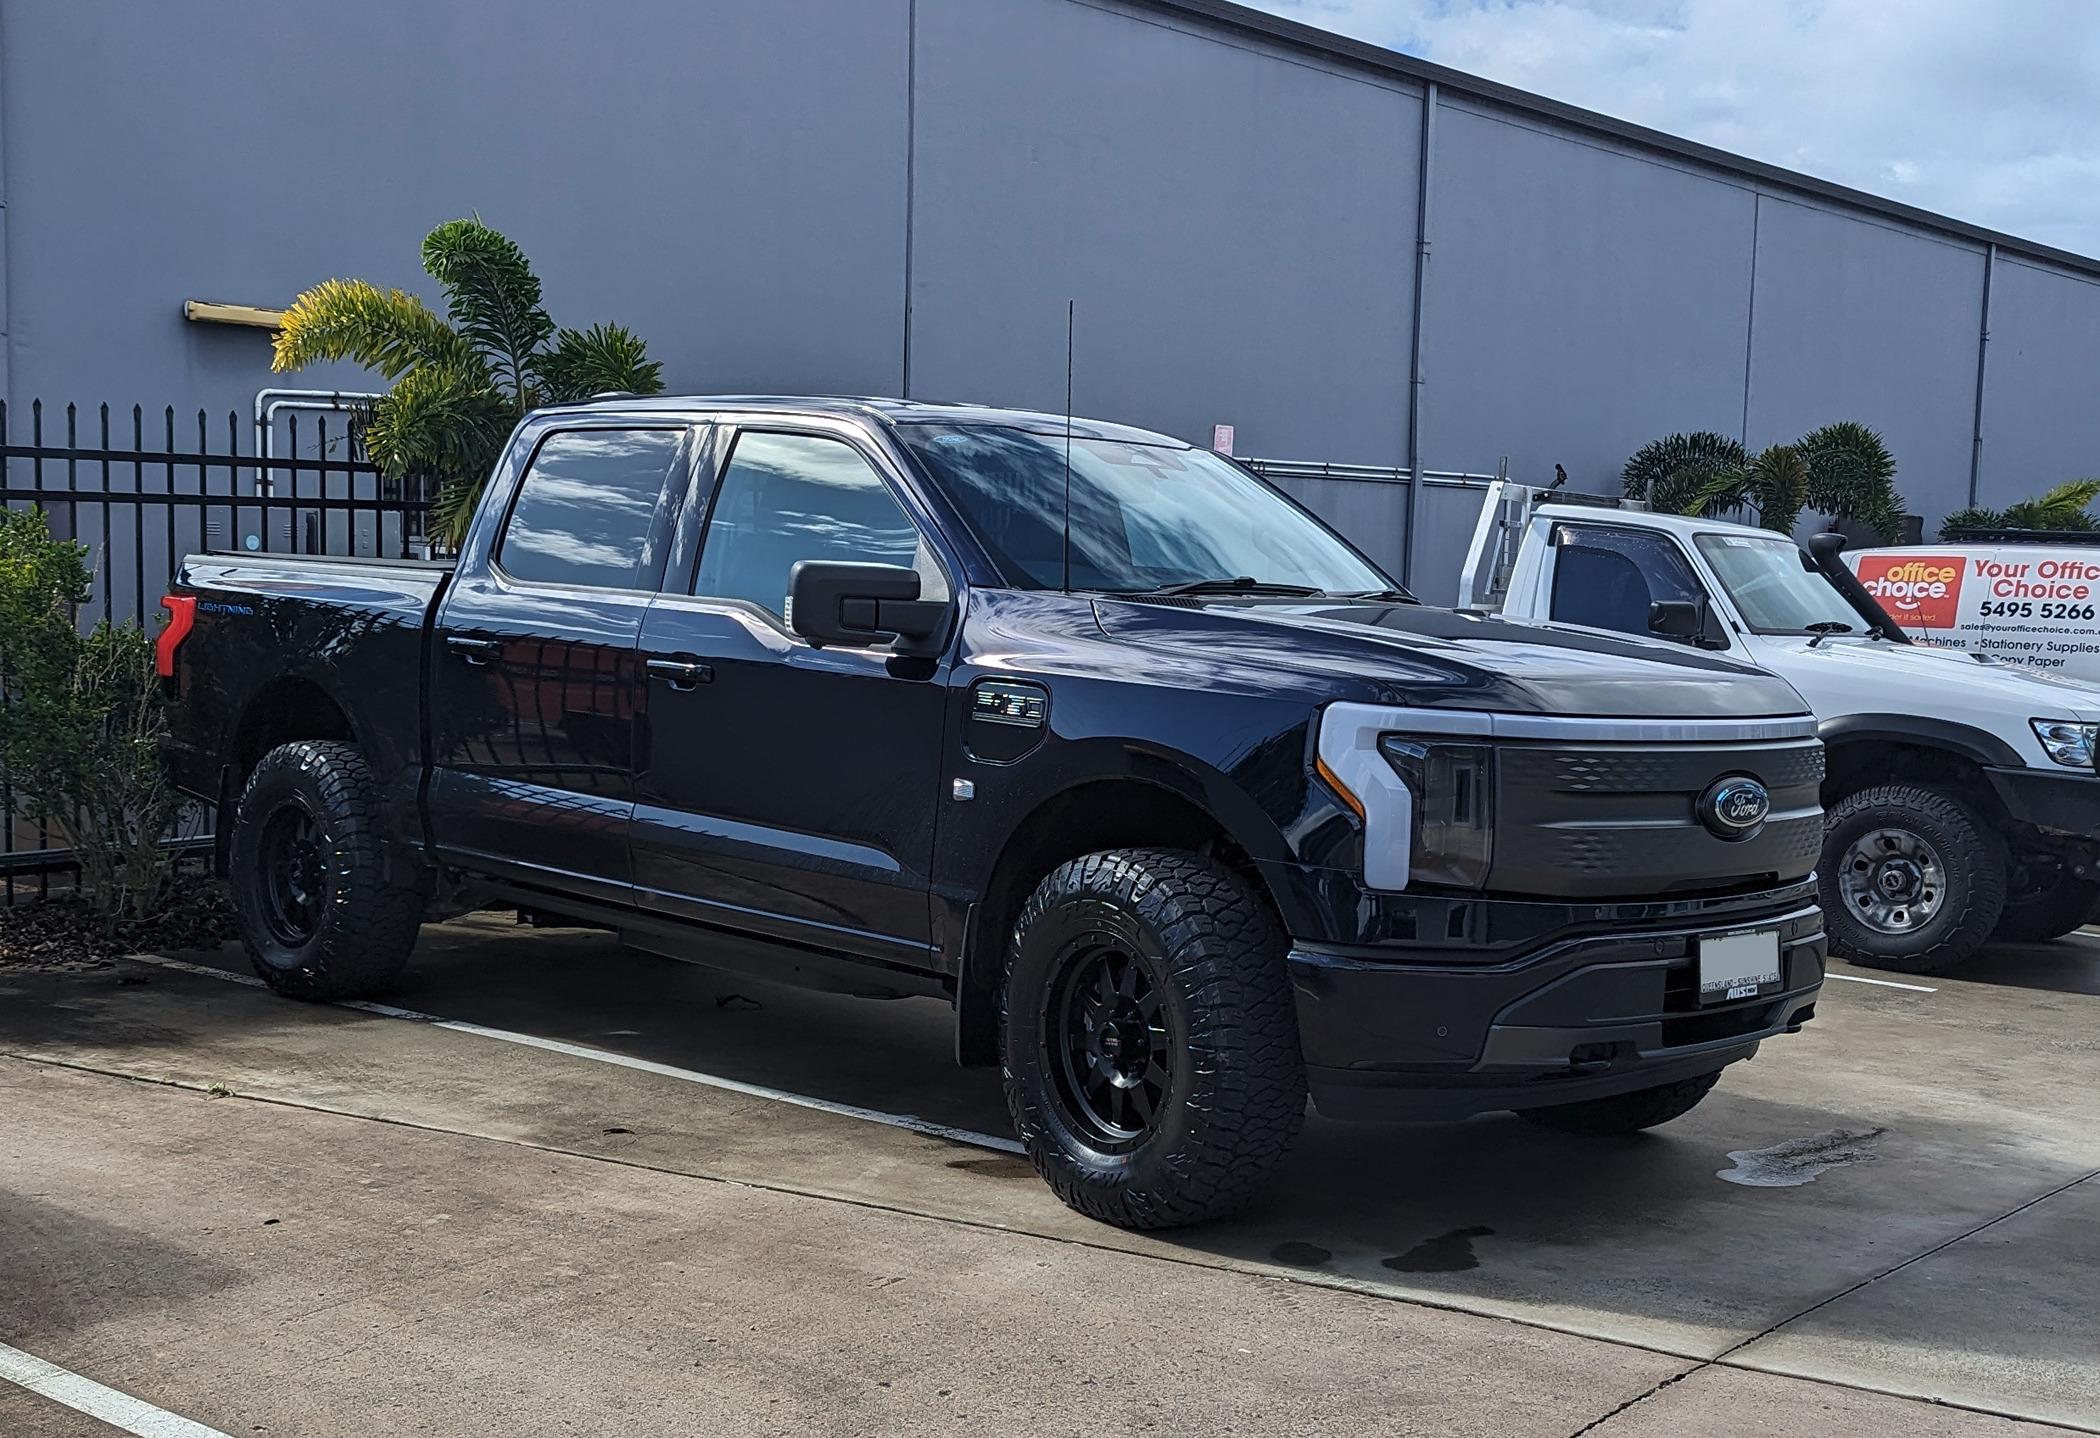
(1925, 679)
(1415, 655)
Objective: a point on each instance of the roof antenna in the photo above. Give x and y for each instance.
(1071, 310)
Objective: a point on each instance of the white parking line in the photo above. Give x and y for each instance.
(1882, 983)
(84, 1395)
(910, 1122)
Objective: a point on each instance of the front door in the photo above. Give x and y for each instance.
(533, 682)
(789, 792)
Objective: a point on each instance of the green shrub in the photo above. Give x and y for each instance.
(81, 729)
(1852, 475)
(2064, 509)
(1676, 473)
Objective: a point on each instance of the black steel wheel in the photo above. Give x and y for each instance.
(326, 911)
(1149, 1039)
(294, 874)
(1108, 1045)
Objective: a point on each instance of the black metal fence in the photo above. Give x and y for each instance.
(141, 489)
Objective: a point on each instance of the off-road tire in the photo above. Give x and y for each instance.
(1972, 853)
(368, 903)
(1212, 955)
(1626, 1112)
(2048, 913)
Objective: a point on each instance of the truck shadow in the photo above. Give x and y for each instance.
(2069, 965)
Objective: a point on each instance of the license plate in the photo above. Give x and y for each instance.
(1736, 966)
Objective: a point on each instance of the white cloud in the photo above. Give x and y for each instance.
(1988, 112)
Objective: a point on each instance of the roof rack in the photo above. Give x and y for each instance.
(1966, 534)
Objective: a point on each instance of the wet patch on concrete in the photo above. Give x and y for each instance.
(1446, 1253)
(1800, 1160)
(1299, 1255)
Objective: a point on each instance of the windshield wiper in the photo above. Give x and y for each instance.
(1400, 595)
(1242, 584)
(1825, 629)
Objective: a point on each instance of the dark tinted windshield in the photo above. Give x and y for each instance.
(1142, 515)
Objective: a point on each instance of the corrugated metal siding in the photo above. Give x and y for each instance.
(1581, 302)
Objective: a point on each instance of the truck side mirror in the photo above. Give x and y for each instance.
(1677, 619)
(858, 605)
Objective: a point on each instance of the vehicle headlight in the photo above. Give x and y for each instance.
(2066, 742)
(1453, 837)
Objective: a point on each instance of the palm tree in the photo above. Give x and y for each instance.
(458, 384)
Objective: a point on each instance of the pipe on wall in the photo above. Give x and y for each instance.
(7, 334)
(1983, 351)
(1424, 158)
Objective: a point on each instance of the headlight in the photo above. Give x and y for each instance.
(2067, 743)
(1453, 835)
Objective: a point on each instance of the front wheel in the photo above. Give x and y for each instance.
(1912, 878)
(1150, 1044)
(326, 913)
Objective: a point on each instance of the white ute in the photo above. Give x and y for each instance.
(1961, 793)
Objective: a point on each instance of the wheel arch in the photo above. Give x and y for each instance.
(1163, 809)
(285, 708)
(1862, 750)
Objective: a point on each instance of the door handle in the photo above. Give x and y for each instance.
(474, 651)
(684, 675)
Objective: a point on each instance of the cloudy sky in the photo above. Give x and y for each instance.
(1986, 110)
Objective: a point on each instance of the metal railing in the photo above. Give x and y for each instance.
(142, 489)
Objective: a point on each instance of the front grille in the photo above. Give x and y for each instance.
(1613, 819)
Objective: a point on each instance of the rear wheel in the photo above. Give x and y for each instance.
(1912, 878)
(1150, 1044)
(2045, 901)
(1626, 1112)
(324, 913)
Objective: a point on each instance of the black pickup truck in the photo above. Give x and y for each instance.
(1178, 800)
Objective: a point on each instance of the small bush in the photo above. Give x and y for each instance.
(2064, 509)
(81, 729)
(1852, 475)
(1677, 472)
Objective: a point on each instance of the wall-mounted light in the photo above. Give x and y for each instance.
(210, 312)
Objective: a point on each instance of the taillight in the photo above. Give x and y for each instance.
(182, 617)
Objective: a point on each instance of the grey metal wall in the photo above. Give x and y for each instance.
(1861, 320)
(2041, 419)
(884, 195)
(1224, 269)
(1582, 300)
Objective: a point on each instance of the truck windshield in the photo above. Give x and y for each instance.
(1774, 584)
(1143, 516)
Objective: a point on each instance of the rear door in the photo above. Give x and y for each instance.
(787, 791)
(534, 675)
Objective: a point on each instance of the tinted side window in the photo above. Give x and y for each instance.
(1607, 578)
(587, 508)
(786, 497)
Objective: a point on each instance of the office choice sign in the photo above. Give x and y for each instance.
(2025, 604)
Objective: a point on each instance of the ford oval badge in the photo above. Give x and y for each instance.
(1734, 807)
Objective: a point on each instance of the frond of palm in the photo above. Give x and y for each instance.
(581, 363)
(384, 330)
(1673, 473)
(1777, 483)
(443, 422)
(1851, 474)
(493, 298)
(2065, 506)
(1707, 495)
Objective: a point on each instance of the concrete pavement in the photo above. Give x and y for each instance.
(1950, 1259)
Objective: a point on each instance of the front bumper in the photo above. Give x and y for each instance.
(2061, 801)
(1585, 1016)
